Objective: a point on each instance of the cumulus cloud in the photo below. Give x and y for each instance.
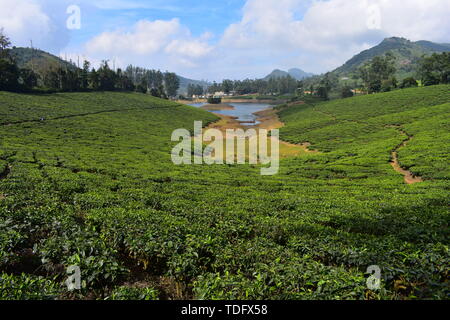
(146, 37)
(315, 35)
(164, 42)
(330, 32)
(25, 20)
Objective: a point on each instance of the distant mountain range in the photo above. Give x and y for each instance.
(295, 73)
(408, 54)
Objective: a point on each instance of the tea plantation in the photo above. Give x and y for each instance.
(86, 179)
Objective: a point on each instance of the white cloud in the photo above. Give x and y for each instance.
(330, 32)
(24, 20)
(146, 37)
(165, 44)
(188, 48)
(315, 35)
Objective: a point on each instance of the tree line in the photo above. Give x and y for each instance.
(378, 75)
(68, 77)
(273, 86)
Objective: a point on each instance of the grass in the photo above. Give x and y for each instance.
(93, 185)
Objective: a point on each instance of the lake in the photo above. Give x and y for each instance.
(243, 111)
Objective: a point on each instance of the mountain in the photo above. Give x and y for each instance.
(185, 82)
(294, 73)
(408, 54)
(299, 74)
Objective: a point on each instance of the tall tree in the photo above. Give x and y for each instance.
(5, 43)
(107, 77)
(94, 80)
(84, 75)
(171, 84)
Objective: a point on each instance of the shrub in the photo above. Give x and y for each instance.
(214, 100)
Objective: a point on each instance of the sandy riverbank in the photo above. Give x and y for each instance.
(217, 107)
(225, 101)
(268, 119)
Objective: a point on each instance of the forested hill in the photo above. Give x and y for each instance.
(39, 60)
(408, 54)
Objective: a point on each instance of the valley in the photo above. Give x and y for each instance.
(87, 180)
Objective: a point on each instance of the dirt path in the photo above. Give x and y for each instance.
(410, 178)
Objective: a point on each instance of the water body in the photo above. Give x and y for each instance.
(243, 111)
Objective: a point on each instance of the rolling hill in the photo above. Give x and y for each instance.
(407, 53)
(86, 179)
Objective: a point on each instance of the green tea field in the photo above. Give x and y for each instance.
(86, 179)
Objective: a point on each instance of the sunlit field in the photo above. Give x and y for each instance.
(87, 179)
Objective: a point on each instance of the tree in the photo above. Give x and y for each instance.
(322, 92)
(27, 79)
(346, 92)
(84, 75)
(171, 84)
(409, 83)
(5, 43)
(227, 86)
(107, 77)
(9, 76)
(389, 84)
(435, 69)
(379, 69)
(9, 72)
(326, 85)
(94, 80)
(142, 87)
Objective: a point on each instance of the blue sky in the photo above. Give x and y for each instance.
(199, 15)
(214, 40)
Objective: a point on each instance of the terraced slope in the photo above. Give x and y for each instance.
(87, 180)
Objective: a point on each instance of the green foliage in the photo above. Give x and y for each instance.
(86, 179)
(25, 287)
(127, 293)
(271, 86)
(194, 90)
(171, 83)
(346, 92)
(409, 83)
(377, 73)
(435, 69)
(214, 100)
